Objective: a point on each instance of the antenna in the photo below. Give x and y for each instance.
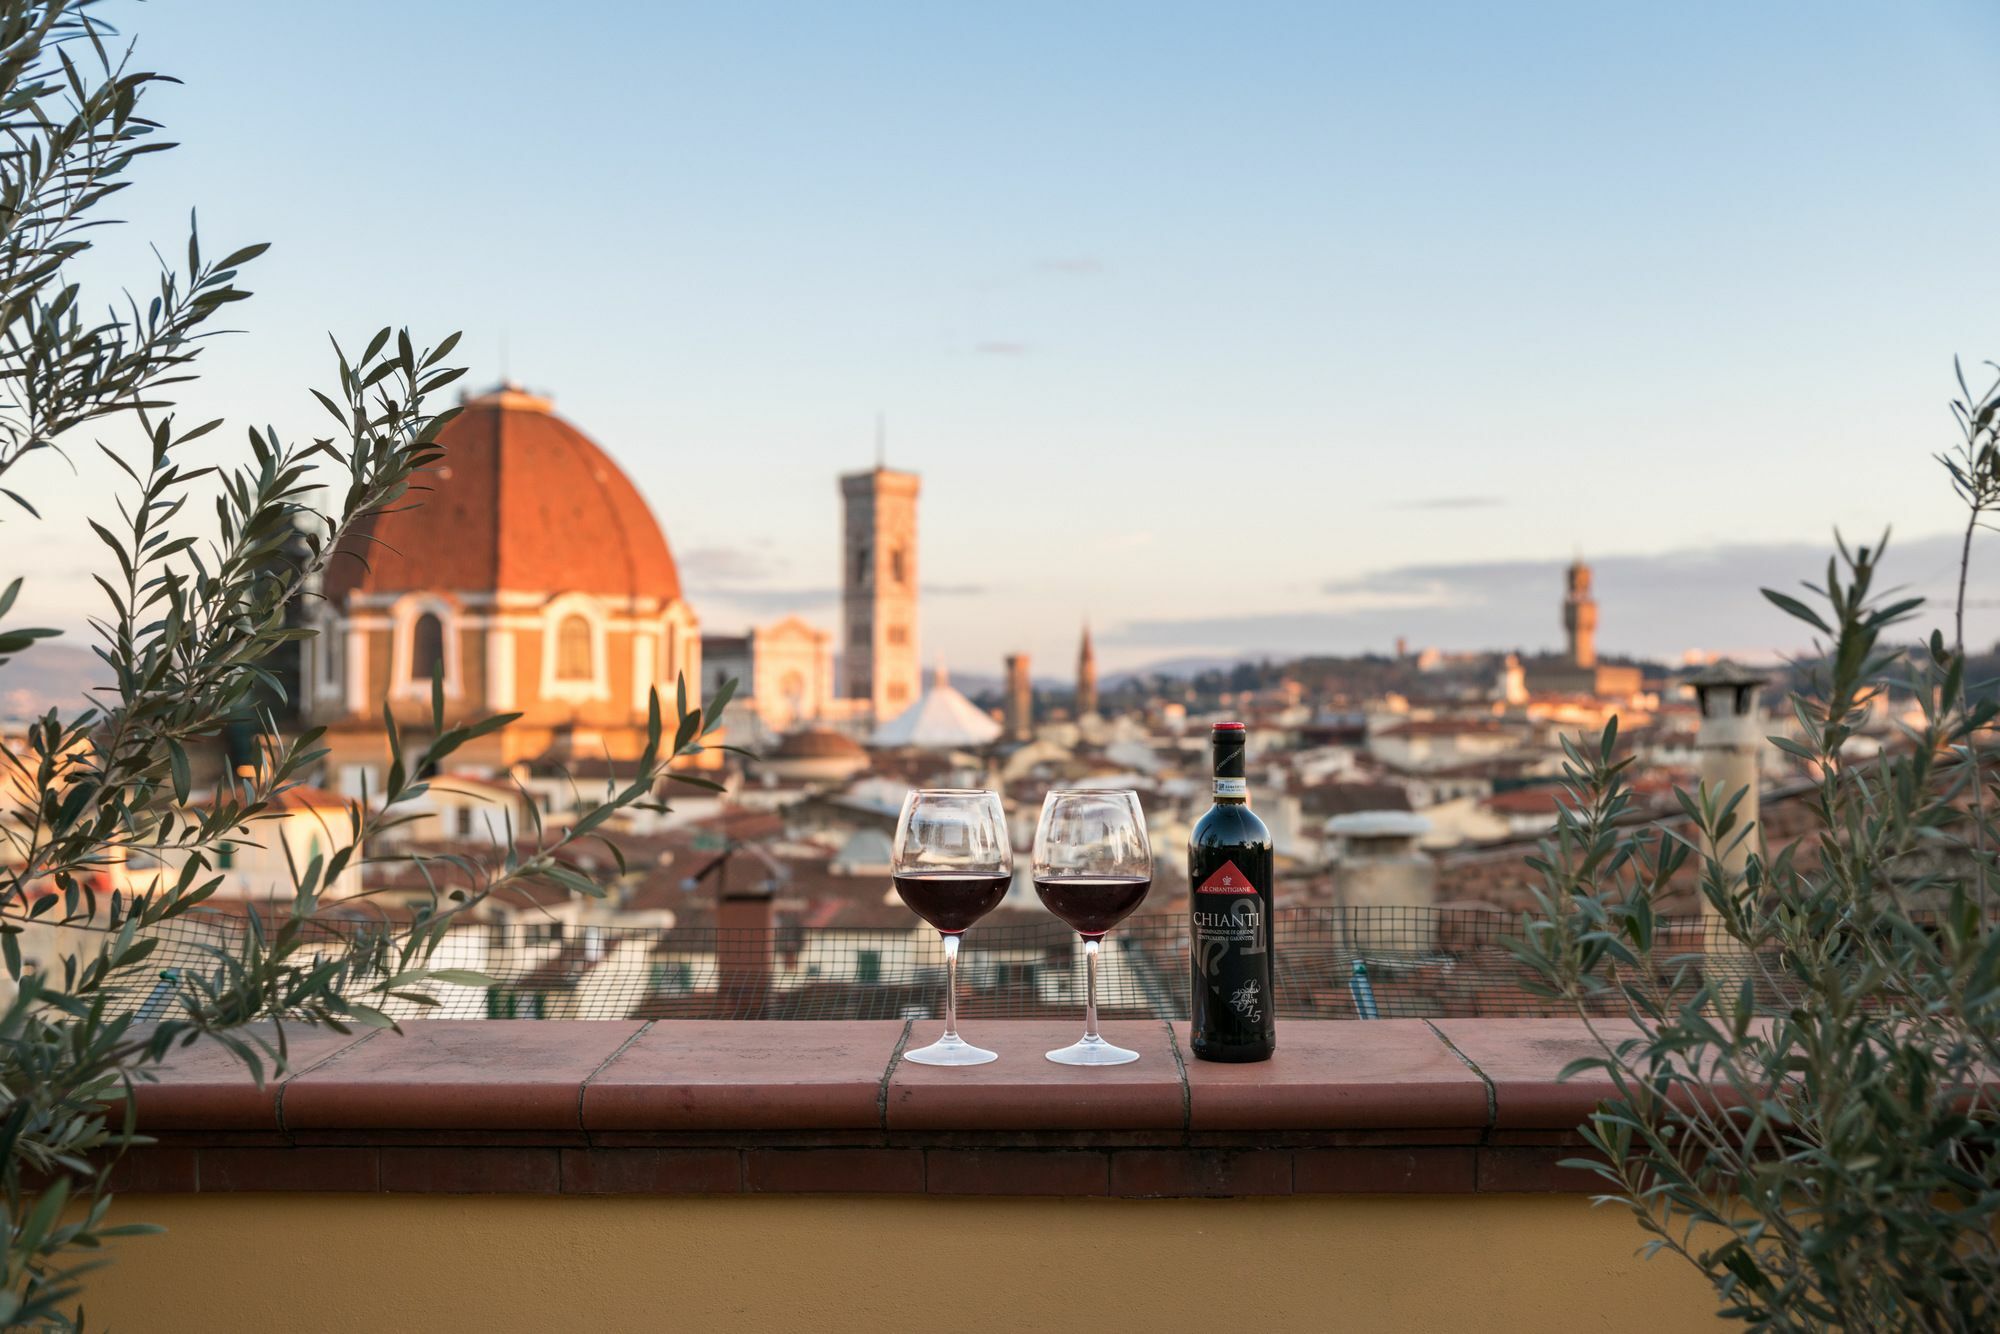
(504, 377)
(881, 441)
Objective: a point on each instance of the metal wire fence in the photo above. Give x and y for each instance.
(1331, 963)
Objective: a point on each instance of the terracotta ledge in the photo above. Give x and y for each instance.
(594, 1108)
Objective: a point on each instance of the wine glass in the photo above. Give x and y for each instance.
(952, 865)
(1092, 868)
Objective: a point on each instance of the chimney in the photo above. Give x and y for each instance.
(744, 940)
(1728, 743)
(1380, 872)
(1020, 699)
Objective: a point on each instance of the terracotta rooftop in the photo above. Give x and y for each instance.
(818, 743)
(1447, 727)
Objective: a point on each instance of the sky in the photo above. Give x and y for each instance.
(1248, 328)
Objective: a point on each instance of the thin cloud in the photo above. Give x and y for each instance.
(762, 600)
(729, 565)
(1000, 347)
(1652, 605)
(1452, 503)
(1071, 266)
(953, 590)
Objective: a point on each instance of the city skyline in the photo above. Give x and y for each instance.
(1449, 303)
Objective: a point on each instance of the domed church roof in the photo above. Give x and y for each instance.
(521, 501)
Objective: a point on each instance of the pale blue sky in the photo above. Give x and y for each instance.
(1187, 313)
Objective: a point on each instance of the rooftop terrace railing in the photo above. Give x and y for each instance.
(1332, 963)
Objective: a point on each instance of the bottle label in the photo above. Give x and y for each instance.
(1232, 787)
(1226, 880)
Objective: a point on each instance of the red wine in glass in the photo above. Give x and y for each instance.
(951, 901)
(1092, 866)
(1092, 905)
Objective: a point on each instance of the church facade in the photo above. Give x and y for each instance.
(532, 574)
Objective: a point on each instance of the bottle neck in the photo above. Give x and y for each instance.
(1231, 788)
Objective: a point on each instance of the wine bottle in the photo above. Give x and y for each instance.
(1229, 936)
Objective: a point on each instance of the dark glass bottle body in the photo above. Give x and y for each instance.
(1230, 932)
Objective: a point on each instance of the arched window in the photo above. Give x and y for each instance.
(426, 647)
(573, 649)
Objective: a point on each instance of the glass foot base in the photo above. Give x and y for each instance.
(1092, 1051)
(951, 1051)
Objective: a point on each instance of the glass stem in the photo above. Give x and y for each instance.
(950, 989)
(1090, 991)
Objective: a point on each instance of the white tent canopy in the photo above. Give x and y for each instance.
(942, 719)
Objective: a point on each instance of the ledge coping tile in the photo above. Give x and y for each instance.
(205, 1086)
(445, 1074)
(1024, 1090)
(1339, 1075)
(1522, 1057)
(758, 1075)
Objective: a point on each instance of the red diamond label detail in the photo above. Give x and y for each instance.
(1228, 880)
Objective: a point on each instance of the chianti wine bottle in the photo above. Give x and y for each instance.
(1229, 938)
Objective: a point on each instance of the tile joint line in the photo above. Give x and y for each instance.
(1492, 1099)
(278, 1101)
(1180, 1071)
(889, 1072)
(631, 1038)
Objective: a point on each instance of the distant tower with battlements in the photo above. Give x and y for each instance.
(1086, 677)
(1580, 617)
(879, 659)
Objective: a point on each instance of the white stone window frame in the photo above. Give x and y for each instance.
(329, 677)
(403, 616)
(583, 690)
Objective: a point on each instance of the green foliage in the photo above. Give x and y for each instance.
(1804, 1105)
(193, 617)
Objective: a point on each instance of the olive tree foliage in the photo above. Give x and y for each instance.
(1803, 1102)
(193, 612)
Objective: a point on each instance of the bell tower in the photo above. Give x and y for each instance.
(879, 659)
(1086, 677)
(1580, 617)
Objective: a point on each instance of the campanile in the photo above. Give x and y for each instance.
(879, 657)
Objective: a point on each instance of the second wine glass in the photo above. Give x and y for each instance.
(1093, 866)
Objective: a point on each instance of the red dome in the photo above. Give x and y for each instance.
(522, 501)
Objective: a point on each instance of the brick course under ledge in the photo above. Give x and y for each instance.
(689, 1107)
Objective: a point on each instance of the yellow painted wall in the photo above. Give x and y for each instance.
(449, 1263)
